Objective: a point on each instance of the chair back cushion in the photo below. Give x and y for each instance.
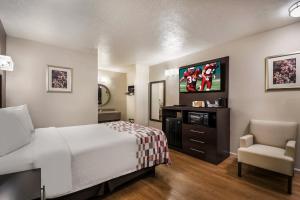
(273, 133)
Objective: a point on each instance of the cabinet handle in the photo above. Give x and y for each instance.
(199, 141)
(194, 131)
(199, 151)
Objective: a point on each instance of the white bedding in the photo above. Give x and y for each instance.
(99, 154)
(19, 160)
(74, 158)
(52, 154)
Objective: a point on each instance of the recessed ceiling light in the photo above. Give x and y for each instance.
(294, 10)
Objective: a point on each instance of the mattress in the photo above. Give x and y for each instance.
(98, 154)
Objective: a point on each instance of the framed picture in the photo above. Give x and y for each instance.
(283, 72)
(59, 79)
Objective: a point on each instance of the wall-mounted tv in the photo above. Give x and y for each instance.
(200, 78)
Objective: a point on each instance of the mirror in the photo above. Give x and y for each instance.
(157, 99)
(103, 95)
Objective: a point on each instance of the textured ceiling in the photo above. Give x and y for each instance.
(140, 31)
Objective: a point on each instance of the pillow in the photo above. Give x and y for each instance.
(13, 134)
(23, 115)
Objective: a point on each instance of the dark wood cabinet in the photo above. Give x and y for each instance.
(210, 143)
(25, 185)
(209, 140)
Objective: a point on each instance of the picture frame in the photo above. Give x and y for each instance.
(59, 79)
(282, 72)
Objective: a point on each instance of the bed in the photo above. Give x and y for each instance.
(79, 157)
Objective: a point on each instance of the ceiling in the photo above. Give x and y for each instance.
(128, 32)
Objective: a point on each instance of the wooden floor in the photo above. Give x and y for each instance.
(190, 178)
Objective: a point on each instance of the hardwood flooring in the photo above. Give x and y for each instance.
(189, 178)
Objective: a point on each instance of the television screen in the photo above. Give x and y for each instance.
(200, 78)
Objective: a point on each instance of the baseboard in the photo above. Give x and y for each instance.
(235, 155)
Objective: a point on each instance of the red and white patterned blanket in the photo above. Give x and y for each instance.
(152, 143)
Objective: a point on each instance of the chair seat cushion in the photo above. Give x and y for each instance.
(267, 157)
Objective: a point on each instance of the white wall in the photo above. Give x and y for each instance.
(141, 94)
(3, 52)
(247, 96)
(130, 99)
(117, 86)
(27, 84)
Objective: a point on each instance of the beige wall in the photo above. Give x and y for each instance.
(118, 86)
(27, 84)
(247, 96)
(2, 52)
(141, 94)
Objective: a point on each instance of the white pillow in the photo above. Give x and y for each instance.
(13, 134)
(23, 115)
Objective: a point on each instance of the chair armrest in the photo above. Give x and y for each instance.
(246, 140)
(290, 148)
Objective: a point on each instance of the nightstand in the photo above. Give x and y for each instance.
(24, 185)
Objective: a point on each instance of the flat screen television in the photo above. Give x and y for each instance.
(200, 78)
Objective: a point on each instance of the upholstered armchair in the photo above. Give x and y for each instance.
(270, 145)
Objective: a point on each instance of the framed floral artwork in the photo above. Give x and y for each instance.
(283, 72)
(59, 79)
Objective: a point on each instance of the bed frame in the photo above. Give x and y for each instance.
(108, 187)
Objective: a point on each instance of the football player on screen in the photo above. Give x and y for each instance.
(191, 75)
(207, 76)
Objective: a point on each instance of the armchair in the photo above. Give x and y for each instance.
(270, 145)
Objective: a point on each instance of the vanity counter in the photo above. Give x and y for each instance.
(108, 116)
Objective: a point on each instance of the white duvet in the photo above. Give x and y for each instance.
(74, 158)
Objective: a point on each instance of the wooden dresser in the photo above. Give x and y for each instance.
(210, 143)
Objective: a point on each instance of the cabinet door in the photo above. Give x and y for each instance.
(173, 132)
(21, 185)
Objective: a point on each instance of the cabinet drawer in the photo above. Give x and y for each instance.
(200, 150)
(197, 152)
(203, 151)
(199, 133)
(194, 141)
(197, 128)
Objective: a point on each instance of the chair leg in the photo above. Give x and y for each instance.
(290, 184)
(239, 169)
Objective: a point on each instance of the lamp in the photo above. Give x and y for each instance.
(294, 10)
(104, 80)
(6, 63)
